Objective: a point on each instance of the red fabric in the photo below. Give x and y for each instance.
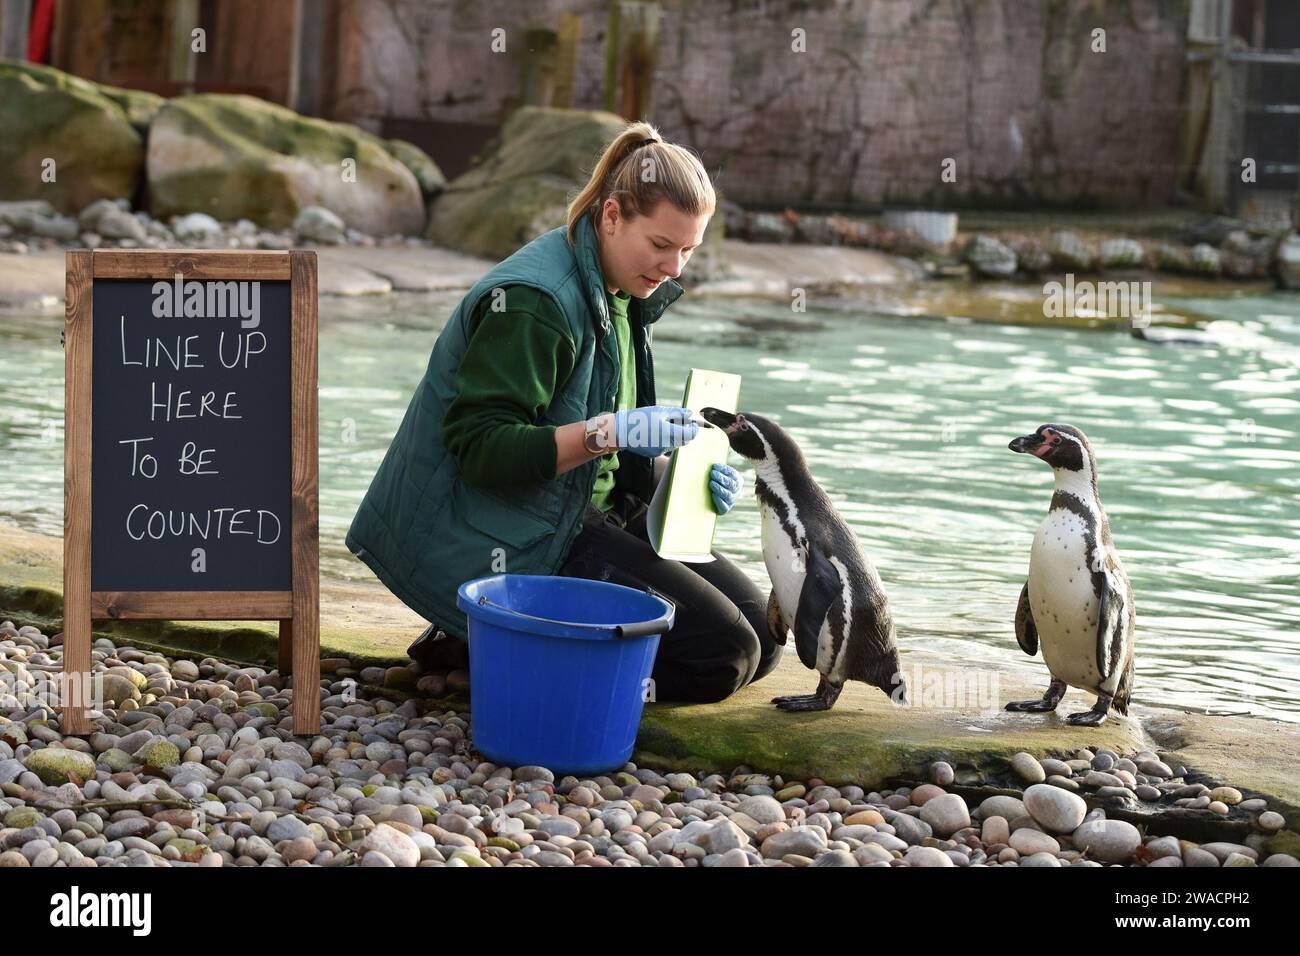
(38, 35)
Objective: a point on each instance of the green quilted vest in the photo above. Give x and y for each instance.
(421, 528)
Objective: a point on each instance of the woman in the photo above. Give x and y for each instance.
(534, 440)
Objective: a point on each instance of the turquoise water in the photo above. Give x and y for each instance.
(905, 422)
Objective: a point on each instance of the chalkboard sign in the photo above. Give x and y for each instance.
(190, 463)
(190, 440)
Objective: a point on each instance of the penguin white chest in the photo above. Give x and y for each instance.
(785, 562)
(1062, 599)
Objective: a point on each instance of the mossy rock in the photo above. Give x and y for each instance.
(469, 859)
(264, 709)
(400, 678)
(159, 753)
(51, 115)
(521, 187)
(57, 766)
(235, 156)
(421, 165)
(116, 759)
(13, 734)
(865, 739)
(22, 817)
(131, 674)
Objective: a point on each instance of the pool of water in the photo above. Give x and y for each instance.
(905, 422)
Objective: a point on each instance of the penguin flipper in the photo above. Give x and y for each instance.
(776, 619)
(821, 589)
(1026, 629)
(1112, 614)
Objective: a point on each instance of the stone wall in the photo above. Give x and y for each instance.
(1009, 89)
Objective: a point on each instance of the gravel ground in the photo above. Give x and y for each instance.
(194, 764)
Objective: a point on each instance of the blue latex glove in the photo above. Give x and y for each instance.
(653, 430)
(725, 483)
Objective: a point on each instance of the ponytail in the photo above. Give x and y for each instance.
(640, 174)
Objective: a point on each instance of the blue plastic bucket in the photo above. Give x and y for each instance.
(558, 667)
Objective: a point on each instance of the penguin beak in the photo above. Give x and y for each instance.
(716, 416)
(1029, 445)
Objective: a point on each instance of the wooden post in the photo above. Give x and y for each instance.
(304, 629)
(76, 492)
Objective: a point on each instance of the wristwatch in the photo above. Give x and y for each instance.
(599, 438)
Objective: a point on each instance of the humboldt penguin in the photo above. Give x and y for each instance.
(824, 588)
(1077, 602)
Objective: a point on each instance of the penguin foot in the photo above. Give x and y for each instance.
(793, 697)
(1087, 718)
(1032, 705)
(1051, 697)
(823, 699)
(812, 702)
(1094, 717)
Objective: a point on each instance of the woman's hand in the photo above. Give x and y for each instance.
(725, 483)
(653, 429)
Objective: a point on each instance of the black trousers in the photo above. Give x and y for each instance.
(719, 641)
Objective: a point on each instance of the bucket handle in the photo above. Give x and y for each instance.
(637, 629)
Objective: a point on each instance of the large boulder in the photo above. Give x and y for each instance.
(421, 165)
(239, 157)
(521, 186)
(49, 114)
(522, 182)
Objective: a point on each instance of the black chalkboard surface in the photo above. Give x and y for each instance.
(190, 439)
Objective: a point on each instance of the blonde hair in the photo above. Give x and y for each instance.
(678, 176)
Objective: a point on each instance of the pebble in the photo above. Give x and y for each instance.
(1154, 768)
(995, 830)
(1027, 840)
(1097, 778)
(1012, 808)
(924, 793)
(941, 773)
(1111, 841)
(1271, 821)
(911, 829)
(764, 809)
(1057, 810)
(1027, 768)
(1055, 767)
(927, 856)
(946, 814)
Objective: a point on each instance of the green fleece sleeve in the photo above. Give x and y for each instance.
(513, 364)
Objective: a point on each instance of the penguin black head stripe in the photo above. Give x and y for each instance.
(824, 587)
(753, 436)
(1064, 447)
(1061, 446)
